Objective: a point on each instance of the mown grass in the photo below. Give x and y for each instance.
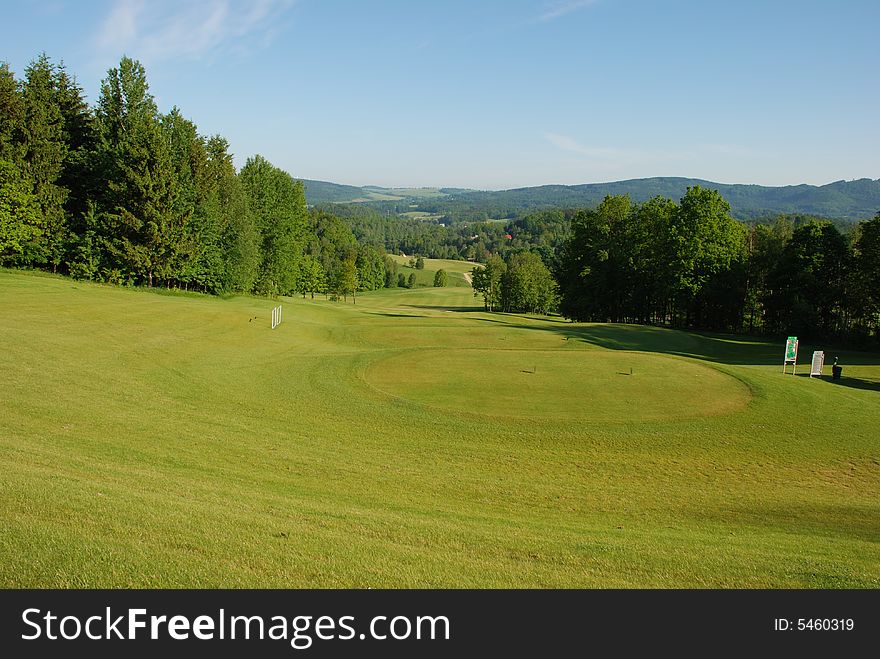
(421, 215)
(424, 193)
(173, 441)
(455, 270)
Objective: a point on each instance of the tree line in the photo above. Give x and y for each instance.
(690, 264)
(122, 193)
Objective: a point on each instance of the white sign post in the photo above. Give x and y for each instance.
(276, 316)
(818, 364)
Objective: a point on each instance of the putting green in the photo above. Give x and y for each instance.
(583, 385)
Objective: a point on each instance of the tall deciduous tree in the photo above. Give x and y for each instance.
(19, 213)
(486, 280)
(710, 247)
(197, 254)
(391, 269)
(866, 275)
(279, 207)
(345, 278)
(807, 282)
(310, 279)
(371, 268)
(596, 268)
(652, 247)
(239, 238)
(765, 244)
(527, 285)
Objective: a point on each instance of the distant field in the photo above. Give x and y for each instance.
(415, 193)
(375, 195)
(421, 215)
(372, 193)
(454, 269)
(412, 440)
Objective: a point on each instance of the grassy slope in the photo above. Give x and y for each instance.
(454, 269)
(154, 440)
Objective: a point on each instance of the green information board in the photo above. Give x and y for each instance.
(791, 346)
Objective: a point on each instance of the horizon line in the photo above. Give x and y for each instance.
(571, 185)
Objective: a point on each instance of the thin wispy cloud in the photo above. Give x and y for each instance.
(610, 155)
(606, 162)
(559, 9)
(732, 151)
(166, 29)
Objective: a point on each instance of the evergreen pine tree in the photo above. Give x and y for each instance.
(141, 221)
(43, 156)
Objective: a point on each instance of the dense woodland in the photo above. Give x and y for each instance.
(122, 193)
(691, 265)
(542, 231)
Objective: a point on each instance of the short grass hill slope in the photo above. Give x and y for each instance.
(414, 440)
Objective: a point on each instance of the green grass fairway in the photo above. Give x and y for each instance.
(412, 440)
(593, 386)
(455, 270)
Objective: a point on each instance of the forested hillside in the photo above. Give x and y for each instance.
(841, 200)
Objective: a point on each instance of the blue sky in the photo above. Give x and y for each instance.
(496, 93)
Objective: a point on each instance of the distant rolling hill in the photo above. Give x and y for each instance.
(846, 200)
(324, 192)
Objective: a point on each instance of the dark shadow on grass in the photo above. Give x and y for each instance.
(394, 315)
(829, 520)
(442, 308)
(855, 383)
(731, 349)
